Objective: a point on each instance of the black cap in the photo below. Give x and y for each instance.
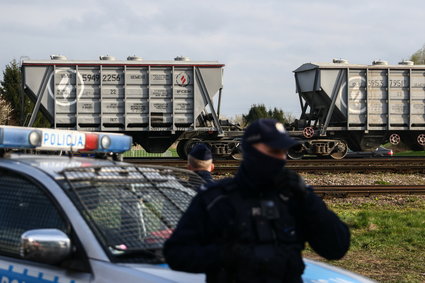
(270, 132)
(201, 152)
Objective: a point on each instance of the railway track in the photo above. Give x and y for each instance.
(404, 165)
(366, 190)
(313, 165)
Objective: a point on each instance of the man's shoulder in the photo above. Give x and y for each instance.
(211, 194)
(218, 187)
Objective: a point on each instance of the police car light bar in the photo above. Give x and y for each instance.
(68, 140)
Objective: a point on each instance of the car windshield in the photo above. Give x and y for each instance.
(131, 209)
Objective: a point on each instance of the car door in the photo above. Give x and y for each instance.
(26, 205)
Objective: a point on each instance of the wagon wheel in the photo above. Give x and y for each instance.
(413, 141)
(340, 150)
(295, 156)
(181, 149)
(308, 132)
(395, 139)
(190, 144)
(295, 153)
(421, 139)
(237, 152)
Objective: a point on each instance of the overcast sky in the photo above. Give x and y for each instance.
(260, 42)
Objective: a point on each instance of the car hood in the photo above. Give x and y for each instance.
(163, 272)
(315, 272)
(320, 272)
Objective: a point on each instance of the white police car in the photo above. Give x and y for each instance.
(72, 219)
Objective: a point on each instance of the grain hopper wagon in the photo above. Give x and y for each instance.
(359, 107)
(155, 102)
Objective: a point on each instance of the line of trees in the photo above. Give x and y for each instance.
(419, 56)
(9, 93)
(258, 111)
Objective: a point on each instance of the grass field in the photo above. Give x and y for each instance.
(140, 152)
(410, 153)
(388, 237)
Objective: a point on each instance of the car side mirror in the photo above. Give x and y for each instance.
(45, 245)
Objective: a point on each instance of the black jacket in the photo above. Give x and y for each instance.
(205, 175)
(201, 242)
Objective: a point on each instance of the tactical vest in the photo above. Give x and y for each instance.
(263, 245)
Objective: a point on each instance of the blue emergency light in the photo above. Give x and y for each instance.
(56, 140)
(114, 142)
(18, 137)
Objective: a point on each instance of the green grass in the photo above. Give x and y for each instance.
(137, 152)
(388, 238)
(402, 150)
(410, 153)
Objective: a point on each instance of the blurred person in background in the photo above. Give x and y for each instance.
(200, 161)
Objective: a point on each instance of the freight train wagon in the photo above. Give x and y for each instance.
(155, 102)
(358, 107)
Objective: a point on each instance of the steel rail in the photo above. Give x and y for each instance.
(364, 165)
(314, 165)
(366, 190)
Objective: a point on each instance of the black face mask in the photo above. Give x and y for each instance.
(258, 169)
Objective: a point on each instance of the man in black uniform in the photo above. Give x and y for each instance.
(253, 227)
(200, 161)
